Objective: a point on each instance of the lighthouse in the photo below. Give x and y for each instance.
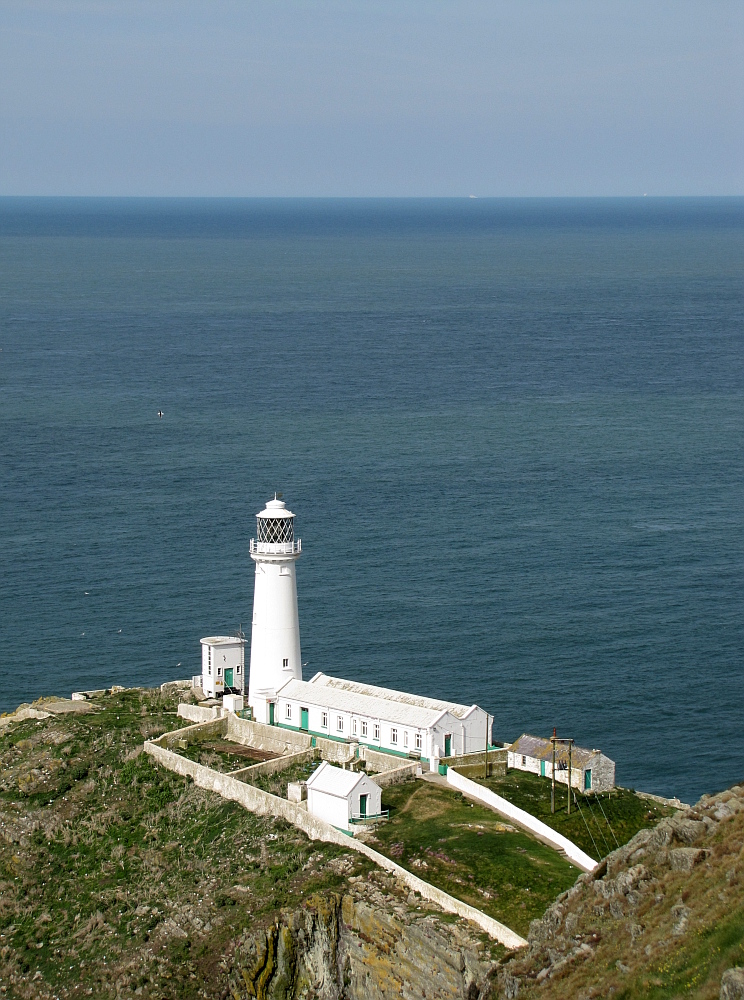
(275, 633)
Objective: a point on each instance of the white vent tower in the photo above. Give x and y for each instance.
(275, 635)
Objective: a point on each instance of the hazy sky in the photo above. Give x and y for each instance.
(529, 97)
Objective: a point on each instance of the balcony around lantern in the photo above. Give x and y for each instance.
(292, 548)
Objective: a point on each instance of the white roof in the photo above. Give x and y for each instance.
(222, 640)
(334, 780)
(275, 508)
(372, 702)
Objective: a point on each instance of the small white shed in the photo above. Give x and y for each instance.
(223, 665)
(339, 796)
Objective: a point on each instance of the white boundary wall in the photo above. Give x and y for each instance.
(522, 818)
(265, 804)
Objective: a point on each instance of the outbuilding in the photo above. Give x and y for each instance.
(339, 797)
(591, 771)
(223, 665)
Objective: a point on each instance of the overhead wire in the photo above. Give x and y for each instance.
(599, 828)
(599, 800)
(581, 813)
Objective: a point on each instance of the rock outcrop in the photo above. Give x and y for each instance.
(640, 912)
(341, 946)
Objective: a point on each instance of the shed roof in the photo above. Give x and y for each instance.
(222, 640)
(371, 702)
(542, 749)
(334, 780)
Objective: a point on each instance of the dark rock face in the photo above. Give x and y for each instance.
(338, 947)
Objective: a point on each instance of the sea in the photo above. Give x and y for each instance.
(512, 432)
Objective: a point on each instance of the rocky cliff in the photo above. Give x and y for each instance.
(344, 946)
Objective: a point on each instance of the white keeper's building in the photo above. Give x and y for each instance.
(381, 718)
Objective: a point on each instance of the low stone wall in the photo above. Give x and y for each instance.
(275, 739)
(521, 818)
(273, 766)
(335, 751)
(674, 803)
(199, 713)
(376, 760)
(397, 774)
(469, 763)
(192, 734)
(264, 804)
(271, 738)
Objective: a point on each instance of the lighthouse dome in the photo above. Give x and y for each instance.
(275, 508)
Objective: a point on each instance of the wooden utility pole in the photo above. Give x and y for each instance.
(570, 747)
(552, 785)
(485, 775)
(555, 739)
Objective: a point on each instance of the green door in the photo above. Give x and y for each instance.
(228, 677)
(362, 805)
(304, 719)
(588, 779)
(271, 713)
(447, 746)
(542, 768)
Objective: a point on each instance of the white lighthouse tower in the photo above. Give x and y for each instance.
(275, 635)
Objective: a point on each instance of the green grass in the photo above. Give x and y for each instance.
(598, 824)
(466, 850)
(277, 783)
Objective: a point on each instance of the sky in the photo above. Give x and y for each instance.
(366, 98)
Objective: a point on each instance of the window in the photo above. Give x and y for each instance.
(393, 735)
(325, 720)
(524, 761)
(354, 727)
(219, 671)
(364, 729)
(377, 732)
(418, 741)
(339, 724)
(237, 669)
(405, 738)
(288, 711)
(285, 662)
(209, 660)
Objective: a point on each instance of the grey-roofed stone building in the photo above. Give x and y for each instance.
(591, 771)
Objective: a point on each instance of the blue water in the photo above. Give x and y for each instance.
(512, 433)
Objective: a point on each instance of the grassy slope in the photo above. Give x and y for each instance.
(598, 824)
(113, 871)
(470, 853)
